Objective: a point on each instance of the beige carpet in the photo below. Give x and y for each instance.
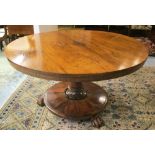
(131, 105)
(10, 79)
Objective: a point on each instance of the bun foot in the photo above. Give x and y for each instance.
(97, 122)
(40, 101)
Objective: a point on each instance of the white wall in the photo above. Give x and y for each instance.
(44, 28)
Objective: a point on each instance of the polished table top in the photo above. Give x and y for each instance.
(76, 55)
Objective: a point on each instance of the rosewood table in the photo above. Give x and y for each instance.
(76, 57)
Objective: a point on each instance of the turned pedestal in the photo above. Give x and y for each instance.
(75, 100)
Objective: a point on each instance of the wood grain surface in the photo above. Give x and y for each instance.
(20, 29)
(57, 102)
(76, 55)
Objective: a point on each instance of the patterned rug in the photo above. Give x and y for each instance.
(131, 105)
(9, 78)
(150, 45)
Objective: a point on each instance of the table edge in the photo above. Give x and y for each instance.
(75, 77)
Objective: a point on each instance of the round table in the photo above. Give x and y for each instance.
(76, 57)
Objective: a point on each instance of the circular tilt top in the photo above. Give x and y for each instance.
(76, 55)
